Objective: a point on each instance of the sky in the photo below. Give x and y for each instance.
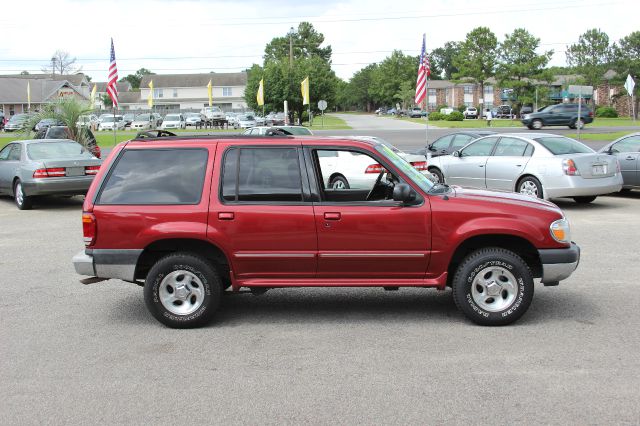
(188, 36)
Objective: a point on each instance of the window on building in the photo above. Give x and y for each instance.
(175, 93)
(488, 90)
(158, 93)
(226, 91)
(432, 92)
(432, 106)
(468, 90)
(468, 104)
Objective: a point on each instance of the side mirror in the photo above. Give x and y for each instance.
(456, 154)
(431, 148)
(403, 192)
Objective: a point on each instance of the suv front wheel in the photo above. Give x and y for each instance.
(182, 290)
(493, 286)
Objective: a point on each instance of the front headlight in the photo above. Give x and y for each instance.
(526, 116)
(561, 231)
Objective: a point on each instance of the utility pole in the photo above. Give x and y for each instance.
(53, 65)
(291, 48)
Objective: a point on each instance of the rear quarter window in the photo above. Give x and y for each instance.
(156, 176)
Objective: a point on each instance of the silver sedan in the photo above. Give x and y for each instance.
(544, 166)
(627, 150)
(45, 167)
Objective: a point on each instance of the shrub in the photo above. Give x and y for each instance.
(462, 107)
(455, 116)
(439, 107)
(606, 112)
(436, 116)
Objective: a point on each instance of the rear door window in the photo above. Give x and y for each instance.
(510, 147)
(156, 176)
(261, 175)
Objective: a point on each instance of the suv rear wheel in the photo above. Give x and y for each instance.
(182, 290)
(493, 286)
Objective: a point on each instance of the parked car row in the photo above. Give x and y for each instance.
(541, 165)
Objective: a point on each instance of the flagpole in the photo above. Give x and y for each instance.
(426, 108)
(114, 125)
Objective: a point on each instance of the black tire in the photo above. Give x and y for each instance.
(625, 190)
(340, 181)
(584, 200)
(536, 124)
(511, 300)
(195, 268)
(23, 202)
(538, 192)
(437, 174)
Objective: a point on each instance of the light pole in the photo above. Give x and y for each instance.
(53, 65)
(290, 71)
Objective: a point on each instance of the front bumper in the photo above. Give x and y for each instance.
(558, 264)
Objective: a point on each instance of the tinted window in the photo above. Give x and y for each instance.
(630, 144)
(510, 147)
(58, 133)
(482, 147)
(443, 142)
(460, 141)
(156, 176)
(529, 151)
(262, 174)
(559, 145)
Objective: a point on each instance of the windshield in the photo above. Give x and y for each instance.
(107, 120)
(559, 145)
(19, 117)
(143, 117)
(172, 118)
(56, 150)
(406, 167)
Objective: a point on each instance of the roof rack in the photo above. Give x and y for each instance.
(209, 136)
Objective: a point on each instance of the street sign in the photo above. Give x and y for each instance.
(629, 84)
(322, 105)
(580, 90)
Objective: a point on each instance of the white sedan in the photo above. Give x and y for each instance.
(108, 123)
(173, 121)
(144, 122)
(343, 169)
(544, 166)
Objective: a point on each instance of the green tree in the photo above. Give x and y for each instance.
(66, 111)
(358, 88)
(520, 68)
(106, 101)
(387, 78)
(442, 61)
(590, 55)
(136, 78)
(477, 57)
(627, 61)
(306, 43)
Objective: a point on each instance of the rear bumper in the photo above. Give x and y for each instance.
(120, 264)
(559, 264)
(576, 186)
(58, 186)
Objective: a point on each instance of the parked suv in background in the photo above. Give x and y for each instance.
(470, 112)
(559, 115)
(188, 217)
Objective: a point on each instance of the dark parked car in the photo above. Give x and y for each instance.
(558, 115)
(446, 144)
(627, 149)
(190, 217)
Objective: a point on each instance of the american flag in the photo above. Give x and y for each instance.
(112, 89)
(424, 71)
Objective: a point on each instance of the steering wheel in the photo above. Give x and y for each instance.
(154, 134)
(378, 179)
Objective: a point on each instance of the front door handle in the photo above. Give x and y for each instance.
(332, 216)
(226, 216)
(630, 158)
(480, 165)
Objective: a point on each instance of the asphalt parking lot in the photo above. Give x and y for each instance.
(79, 354)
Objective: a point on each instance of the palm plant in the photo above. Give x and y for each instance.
(66, 111)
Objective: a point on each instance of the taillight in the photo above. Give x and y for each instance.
(89, 228)
(374, 168)
(51, 172)
(590, 113)
(97, 152)
(569, 168)
(419, 165)
(91, 170)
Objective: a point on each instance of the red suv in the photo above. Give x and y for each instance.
(189, 217)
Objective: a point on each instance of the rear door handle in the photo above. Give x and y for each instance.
(630, 158)
(332, 216)
(480, 165)
(226, 216)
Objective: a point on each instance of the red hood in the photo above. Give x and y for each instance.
(504, 197)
